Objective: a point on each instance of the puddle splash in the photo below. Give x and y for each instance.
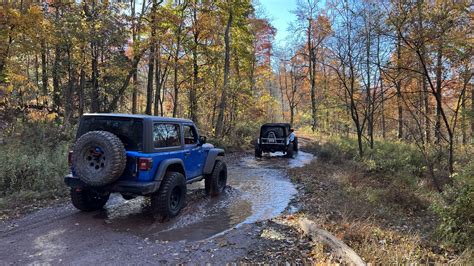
(258, 189)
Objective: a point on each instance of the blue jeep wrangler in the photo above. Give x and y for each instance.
(141, 155)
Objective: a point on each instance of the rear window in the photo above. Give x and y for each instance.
(278, 131)
(129, 130)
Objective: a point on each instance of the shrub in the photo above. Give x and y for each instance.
(34, 158)
(456, 210)
(24, 169)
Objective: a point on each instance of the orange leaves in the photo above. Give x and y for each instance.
(264, 37)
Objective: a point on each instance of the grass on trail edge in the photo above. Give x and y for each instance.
(384, 215)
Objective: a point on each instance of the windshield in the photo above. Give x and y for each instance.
(129, 130)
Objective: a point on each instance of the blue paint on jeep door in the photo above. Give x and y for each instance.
(193, 153)
(193, 160)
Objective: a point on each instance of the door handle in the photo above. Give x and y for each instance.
(186, 154)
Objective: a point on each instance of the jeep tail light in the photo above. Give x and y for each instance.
(145, 164)
(69, 158)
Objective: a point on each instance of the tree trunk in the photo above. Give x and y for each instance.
(312, 72)
(222, 106)
(68, 90)
(192, 92)
(427, 110)
(281, 94)
(193, 101)
(56, 89)
(151, 61)
(175, 73)
(44, 66)
(399, 90)
(157, 101)
(37, 74)
(382, 108)
(370, 105)
(95, 101)
(135, 76)
(291, 99)
(382, 92)
(463, 119)
(424, 90)
(472, 114)
(439, 73)
(82, 84)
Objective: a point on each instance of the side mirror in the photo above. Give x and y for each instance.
(202, 140)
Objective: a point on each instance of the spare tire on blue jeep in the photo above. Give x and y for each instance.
(98, 158)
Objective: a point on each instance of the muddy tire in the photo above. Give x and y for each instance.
(258, 151)
(98, 158)
(88, 200)
(290, 150)
(217, 180)
(168, 201)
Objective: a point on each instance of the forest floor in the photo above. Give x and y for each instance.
(256, 221)
(381, 223)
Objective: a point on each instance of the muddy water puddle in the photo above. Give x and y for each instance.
(258, 189)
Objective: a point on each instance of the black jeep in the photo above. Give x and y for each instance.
(276, 137)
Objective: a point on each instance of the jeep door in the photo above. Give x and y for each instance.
(193, 152)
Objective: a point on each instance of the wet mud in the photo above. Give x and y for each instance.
(258, 190)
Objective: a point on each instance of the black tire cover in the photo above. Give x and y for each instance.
(98, 158)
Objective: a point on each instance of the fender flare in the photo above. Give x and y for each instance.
(162, 168)
(211, 159)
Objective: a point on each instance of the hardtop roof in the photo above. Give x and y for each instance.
(276, 125)
(140, 116)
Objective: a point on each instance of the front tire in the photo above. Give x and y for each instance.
(88, 200)
(168, 201)
(215, 182)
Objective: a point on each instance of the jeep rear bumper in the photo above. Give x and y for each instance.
(273, 147)
(139, 188)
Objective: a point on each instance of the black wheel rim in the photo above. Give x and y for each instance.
(95, 158)
(175, 198)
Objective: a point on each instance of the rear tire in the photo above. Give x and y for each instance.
(258, 151)
(290, 150)
(215, 182)
(88, 200)
(168, 201)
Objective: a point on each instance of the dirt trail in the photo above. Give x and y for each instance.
(219, 230)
